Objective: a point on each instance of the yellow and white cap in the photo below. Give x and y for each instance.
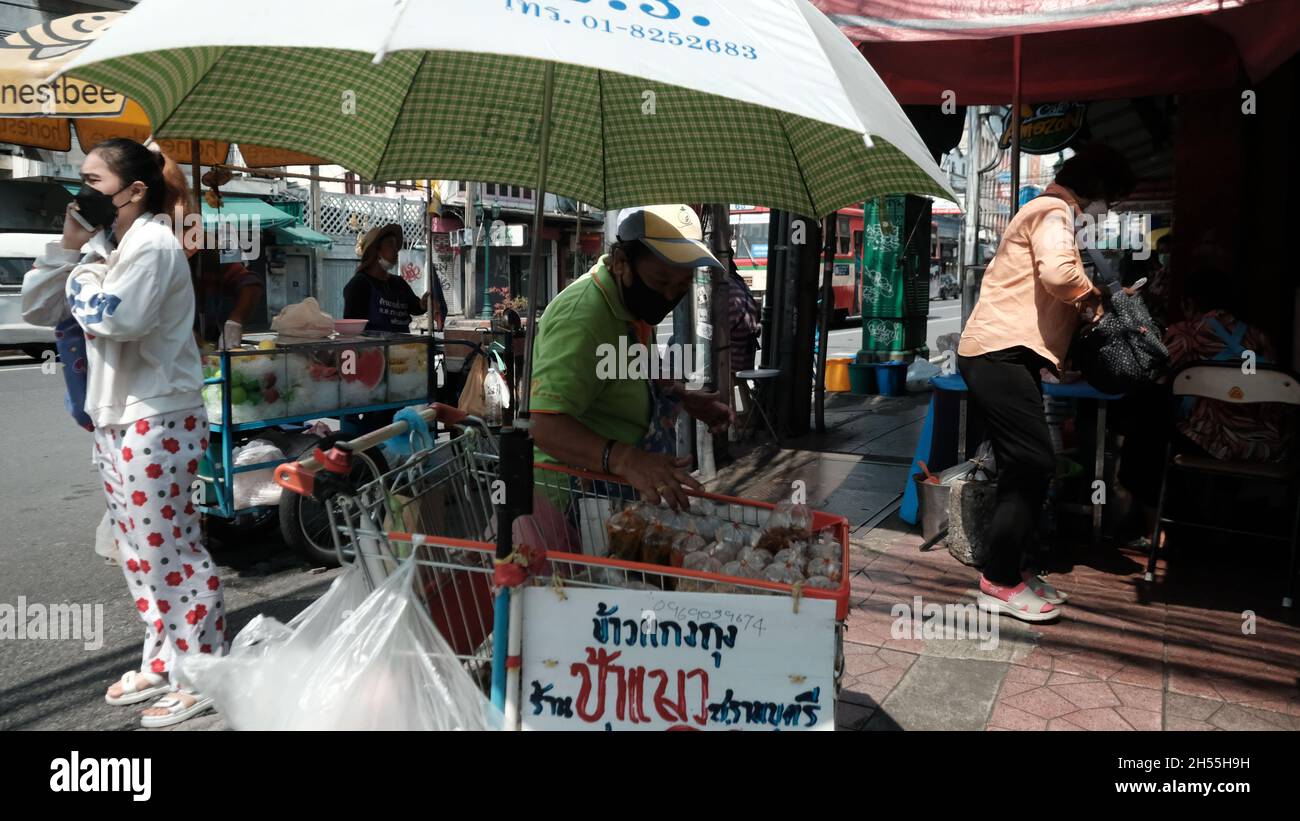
(672, 232)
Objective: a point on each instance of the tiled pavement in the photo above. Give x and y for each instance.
(1114, 661)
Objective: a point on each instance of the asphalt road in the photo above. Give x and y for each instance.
(50, 502)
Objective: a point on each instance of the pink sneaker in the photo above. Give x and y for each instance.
(1019, 601)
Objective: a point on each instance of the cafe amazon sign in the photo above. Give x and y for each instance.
(1047, 127)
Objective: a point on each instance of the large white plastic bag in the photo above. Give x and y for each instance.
(385, 667)
(303, 319)
(260, 677)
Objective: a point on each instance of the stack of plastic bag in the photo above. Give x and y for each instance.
(351, 661)
(257, 488)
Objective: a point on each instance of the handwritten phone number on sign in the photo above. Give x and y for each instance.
(660, 9)
(745, 621)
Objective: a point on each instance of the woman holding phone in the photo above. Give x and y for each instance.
(126, 282)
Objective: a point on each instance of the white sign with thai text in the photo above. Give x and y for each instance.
(653, 660)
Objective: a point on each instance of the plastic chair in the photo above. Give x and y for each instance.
(1226, 382)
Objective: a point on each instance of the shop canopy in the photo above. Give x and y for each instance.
(249, 210)
(1071, 49)
(39, 114)
(301, 235)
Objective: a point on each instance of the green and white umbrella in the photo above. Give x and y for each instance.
(611, 102)
(756, 101)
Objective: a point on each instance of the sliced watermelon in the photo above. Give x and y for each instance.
(369, 367)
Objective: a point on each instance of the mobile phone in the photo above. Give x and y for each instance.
(81, 220)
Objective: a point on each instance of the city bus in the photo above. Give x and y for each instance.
(749, 226)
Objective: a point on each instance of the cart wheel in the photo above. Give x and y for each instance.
(304, 522)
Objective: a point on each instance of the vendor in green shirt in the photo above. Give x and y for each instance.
(595, 406)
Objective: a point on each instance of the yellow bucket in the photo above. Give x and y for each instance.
(837, 375)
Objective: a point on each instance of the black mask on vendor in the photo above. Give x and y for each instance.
(97, 207)
(645, 303)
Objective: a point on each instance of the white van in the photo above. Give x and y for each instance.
(31, 215)
(17, 254)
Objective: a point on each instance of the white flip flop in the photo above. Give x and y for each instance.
(176, 712)
(1045, 591)
(138, 686)
(1025, 605)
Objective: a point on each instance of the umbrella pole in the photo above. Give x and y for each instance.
(516, 464)
(1015, 127)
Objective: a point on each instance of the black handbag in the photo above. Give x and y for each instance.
(1122, 351)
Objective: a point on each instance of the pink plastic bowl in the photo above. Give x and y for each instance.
(350, 327)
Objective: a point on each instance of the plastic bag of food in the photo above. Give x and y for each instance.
(792, 559)
(706, 526)
(789, 514)
(724, 551)
(782, 574)
(828, 568)
(752, 561)
(625, 529)
(304, 319)
(657, 544)
(702, 562)
(786, 524)
(732, 534)
(382, 666)
(821, 582)
(684, 543)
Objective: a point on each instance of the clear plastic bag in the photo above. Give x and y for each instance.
(257, 488)
(657, 544)
(781, 574)
(685, 543)
(724, 551)
(375, 663)
(625, 529)
(821, 582)
(792, 558)
(105, 542)
(827, 568)
(702, 562)
(752, 561)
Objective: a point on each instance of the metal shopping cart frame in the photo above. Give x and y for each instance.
(436, 509)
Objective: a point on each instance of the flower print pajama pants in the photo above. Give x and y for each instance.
(148, 468)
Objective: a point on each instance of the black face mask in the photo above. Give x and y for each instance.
(645, 303)
(97, 207)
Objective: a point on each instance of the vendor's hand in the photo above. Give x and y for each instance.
(709, 409)
(657, 476)
(74, 234)
(1091, 307)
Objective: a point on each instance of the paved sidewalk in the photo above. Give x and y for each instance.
(1114, 661)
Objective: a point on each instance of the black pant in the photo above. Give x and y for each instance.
(1005, 388)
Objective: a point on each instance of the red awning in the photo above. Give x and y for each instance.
(1072, 49)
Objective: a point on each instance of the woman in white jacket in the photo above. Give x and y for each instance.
(126, 281)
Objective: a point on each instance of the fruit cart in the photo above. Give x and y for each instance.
(271, 391)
